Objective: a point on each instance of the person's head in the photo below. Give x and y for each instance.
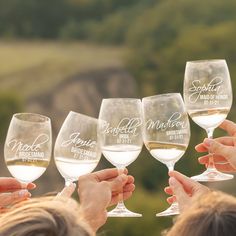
(214, 214)
(44, 216)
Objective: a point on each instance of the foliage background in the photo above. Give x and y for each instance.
(45, 43)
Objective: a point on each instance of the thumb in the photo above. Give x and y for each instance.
(186, 183)
(178, 190)
(217, 148)
(67, 191)
(118, 183)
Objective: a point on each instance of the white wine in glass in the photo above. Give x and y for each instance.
(120, 137)
(166, 152)
(208, 99)
(28, 145)
(76, 150)
(166, 132)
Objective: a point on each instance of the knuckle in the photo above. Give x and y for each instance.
(216, 147)
(83, 178)
(104, 184)
(14, 196)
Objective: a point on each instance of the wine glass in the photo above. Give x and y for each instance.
(166, 132)
(120, 137)
(208, 99)
(28, 146)
(76, 150)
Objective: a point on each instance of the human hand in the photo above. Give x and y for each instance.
(184, 189)
(101, 189)
(223, 149)
(12, 191)
(67, 191)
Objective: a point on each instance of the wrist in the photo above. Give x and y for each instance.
(93, 216)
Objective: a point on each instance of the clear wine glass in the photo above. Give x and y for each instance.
(166, 132)
(208, 99)
(120, 137)
(28, 146)
(76, 150)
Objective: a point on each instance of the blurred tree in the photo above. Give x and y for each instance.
(31, 18)
(46, 19)
(10, 103)
(177, 32)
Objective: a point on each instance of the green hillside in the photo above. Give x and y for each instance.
(37, 67)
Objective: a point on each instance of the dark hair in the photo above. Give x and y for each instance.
(213, 214)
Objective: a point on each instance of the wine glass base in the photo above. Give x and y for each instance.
(212, 175)
(117, 212)
(171, 211)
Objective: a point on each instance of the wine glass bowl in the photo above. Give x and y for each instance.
(208, 99)
(76, 150)
(120, 137)
(166, 132)
(28, 145)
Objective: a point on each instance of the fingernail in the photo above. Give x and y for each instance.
(70, 185)
(200, 159)
(24, 193)
(122, 177)
(31, 186)
(207, 142)
(172, 181)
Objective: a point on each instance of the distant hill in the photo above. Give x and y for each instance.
(83, 93)
(38, 66)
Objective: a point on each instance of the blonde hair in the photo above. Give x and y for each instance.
(45, 216)
(213, 215)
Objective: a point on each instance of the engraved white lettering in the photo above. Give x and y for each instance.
(125, 126)
(19, 146)
(78, 142)
(197, 89)
(173, 122)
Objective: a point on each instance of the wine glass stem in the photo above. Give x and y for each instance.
(211, 164)
(170, 166)
(67, 182)
(120, 196)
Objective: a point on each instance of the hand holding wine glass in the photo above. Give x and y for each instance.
(222, 148)
(166, 132)
(184, 189)
(12, 191)
(76, 150)
(120, 137)
(28, 146)
(104, 186)
(208, 99)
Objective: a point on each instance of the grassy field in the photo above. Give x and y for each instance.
(29, 66)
